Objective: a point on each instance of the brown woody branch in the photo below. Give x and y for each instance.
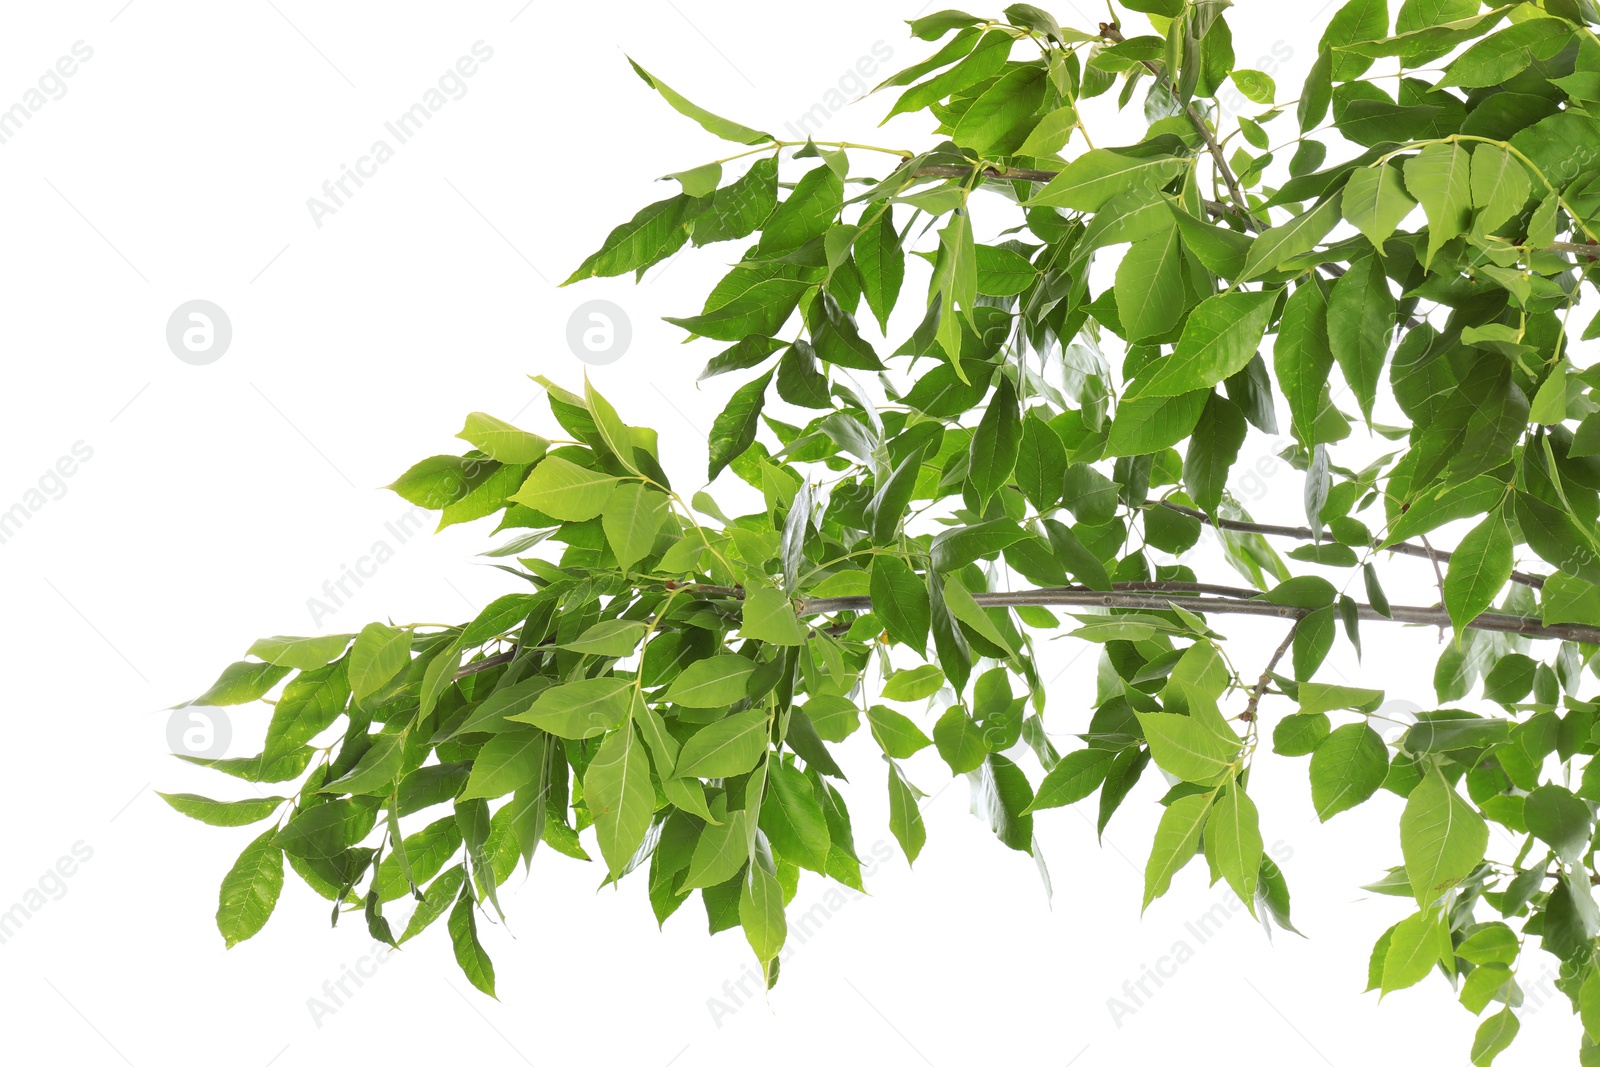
(1259, 690)
(1147, 598)
(1303, 533)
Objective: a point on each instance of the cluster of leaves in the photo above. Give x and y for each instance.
(673, 678)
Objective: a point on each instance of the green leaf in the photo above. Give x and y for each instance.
(1302, 358)
(617, 789)
(900, 600)
(581, 709)
(508, 761)
(308, 705)
(565, 491)
(1188, 749)
(499, 440)
(1318, 697)
(724, 748)
(914, 683)
(1375, 202)
(380, 653)
(793, 820)
(1177, 837)
(1002, 114)
(471, 957)
(1346, 769)
(1479, 569)
(905, 818)
(1294, 238)
(1299, 735)
(1500, 187)
(1414, 947)
(882, 265)
(1502, 56)
(1439, 179)
(761, 912)
(631, 519)
(1151, 296)
(716, 682)
(961, 744)
(985, 61)
(435, 901)
(301, 653)
(1041, 463)
(1559, 819)
(241, 683)
(713, 124)
(1441, 836)
(611, 637)
(897, 735)
(376, 772)
(1257, 86)
(426, 852)
(1221, 336)
(1233, 833)
(1093, 178)
(1361, 316)
(1213, 450)
(734, 430)
(894, 495)
(653, 234)
(1494, 1036)
(769, 616)
(1072, 779)
(806, 214)
(250, 890)
(996, 443)
(1150, 424)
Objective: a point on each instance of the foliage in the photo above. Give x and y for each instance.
(673, 678)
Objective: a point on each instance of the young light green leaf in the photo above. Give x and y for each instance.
(1177, 837)
(769, 616)
(1346, 769)
(565, 491)
(1233, 834)
(301, 653)
(761, 912)
(897, 735)
(713, 124)
(1185, 747)
(631, 519)
(380, 653)
(905, 817)
(499, 440)
(1441, 836)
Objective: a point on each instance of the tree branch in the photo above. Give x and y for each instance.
(1303, 533)
(1161, 596)
(1259, 690)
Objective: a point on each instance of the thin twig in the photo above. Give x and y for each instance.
(1259, 690)
(1110, 32)
(1438, 576)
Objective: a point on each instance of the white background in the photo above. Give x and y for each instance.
(219, 498)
